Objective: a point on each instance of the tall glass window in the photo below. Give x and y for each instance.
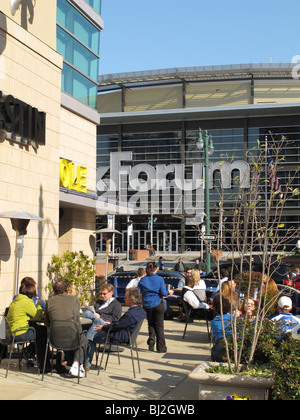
(78, 41)
(75, 23)
(75, 84)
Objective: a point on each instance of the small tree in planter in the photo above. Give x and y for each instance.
(77, 270)
(257, 228)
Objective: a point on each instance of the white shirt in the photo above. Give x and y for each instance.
(221, 282)
(192, 299)
(107, 303)
(133, 283)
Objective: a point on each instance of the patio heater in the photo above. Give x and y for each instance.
(107, 235)
(19, 221)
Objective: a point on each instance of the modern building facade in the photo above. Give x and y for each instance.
(48, 132)
(151, 120)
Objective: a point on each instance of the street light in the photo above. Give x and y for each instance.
(19, 221)
(107, 235)
(205, 142)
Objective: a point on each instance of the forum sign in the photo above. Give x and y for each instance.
(163, 189)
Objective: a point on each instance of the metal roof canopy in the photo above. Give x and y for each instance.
(207, 113)
(195, 74)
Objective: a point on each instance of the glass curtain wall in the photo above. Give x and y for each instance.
(96, 5)
(287, 171)
(78, 41)
(175, 147)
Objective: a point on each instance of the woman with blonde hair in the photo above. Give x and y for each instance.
(269, 291)
(231, 295)
(200, 286)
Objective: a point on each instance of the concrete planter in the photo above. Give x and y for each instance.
(213, 386)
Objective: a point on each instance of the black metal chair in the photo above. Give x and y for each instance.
(132, 345)
(64, 336)
(8, 338)
(199, 314)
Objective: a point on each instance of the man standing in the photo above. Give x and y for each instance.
(180, 267)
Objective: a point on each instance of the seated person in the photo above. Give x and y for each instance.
(21, 311)
(135, 282)
(109, 310)
(224, 273)
(249, 309)
(36, 298)
(190, 297)
(228, 289)
(289, 321)
(66, 307)
(97, 333)
(200, 286)
(218, 352)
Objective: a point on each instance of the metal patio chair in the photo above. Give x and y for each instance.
(64, 336)
(199, 314)
(132, 345)
(8, 338)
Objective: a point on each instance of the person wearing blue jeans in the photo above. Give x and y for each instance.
(97, 320)
(129, 321)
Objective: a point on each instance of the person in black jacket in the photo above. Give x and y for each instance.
(109, 308)
(106, 310)
(128, 321)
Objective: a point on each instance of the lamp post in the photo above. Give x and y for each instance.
(205, 142)
(19, 221)
(107, 234)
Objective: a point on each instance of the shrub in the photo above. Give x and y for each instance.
(285, 363)
(76, 269)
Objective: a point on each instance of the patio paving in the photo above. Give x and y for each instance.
(162, 377)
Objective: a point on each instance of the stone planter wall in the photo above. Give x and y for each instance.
(214, 386)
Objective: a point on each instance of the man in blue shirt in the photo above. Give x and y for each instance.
(289, 321)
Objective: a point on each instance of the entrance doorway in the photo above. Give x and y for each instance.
(161, 239)
(134, 241)
(167, 241)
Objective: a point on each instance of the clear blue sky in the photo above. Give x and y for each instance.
(156, 34)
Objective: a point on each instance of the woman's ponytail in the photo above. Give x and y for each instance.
(151, 267)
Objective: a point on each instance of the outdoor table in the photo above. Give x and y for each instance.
(85, 321)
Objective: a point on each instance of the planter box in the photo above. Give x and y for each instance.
(140, 254)
(213, 386)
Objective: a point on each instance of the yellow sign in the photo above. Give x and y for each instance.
(67, 178)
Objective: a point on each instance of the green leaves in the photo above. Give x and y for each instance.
(76, 269)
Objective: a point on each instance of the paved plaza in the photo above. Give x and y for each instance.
(162, 377)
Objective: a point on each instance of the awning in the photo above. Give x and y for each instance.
(92, 202)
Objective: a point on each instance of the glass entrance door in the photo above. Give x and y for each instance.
(161, 244)
(167, 241)
(174, 241)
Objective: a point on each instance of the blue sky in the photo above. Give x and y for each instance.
(156, 34)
